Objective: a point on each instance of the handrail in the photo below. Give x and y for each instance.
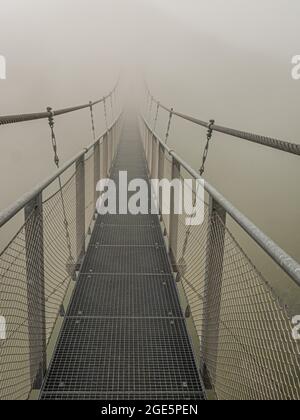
(7, 214)
(281, 258)
(288, 147)
(12, 119)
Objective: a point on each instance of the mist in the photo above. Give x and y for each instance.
(228, 60)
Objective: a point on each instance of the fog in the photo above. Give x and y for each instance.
(228, 60)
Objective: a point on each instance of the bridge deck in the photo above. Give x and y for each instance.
(124, 334)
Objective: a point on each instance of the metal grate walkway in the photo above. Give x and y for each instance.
(124, 336)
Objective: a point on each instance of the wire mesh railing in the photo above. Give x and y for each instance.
(40, 262)
(244, 331)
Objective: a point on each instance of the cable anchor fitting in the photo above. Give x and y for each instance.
(206, 150)
(156, 116)
(53, 138)
(92, 120)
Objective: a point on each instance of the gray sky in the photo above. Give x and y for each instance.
(268, 25)
(62, 50)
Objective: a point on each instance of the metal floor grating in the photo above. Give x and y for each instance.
(115, 356)
(129, 396)
(127, 235)
(125, 296)
(128, 220)
(124, 336)
(131, 174)
(123, 259)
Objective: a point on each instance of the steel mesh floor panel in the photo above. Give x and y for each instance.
(127, 235)
(120, 356)
(128, 220)
(122, 259)
(125, 295)
(129, 396)
(130, 165)
(131, 174)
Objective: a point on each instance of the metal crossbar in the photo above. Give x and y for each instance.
(243, 330)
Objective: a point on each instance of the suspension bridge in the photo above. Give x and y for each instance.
(138, 307)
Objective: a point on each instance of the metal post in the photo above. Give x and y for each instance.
(80, 207)
(36, 290)
(113, 143)
(154, 158)
(161, 171)
(150, 140)
(212, 292)
(146, 144)
(115, 139)
(110, 151)
(96, 170)
(173, 227)
(145, 137)
(105, 156)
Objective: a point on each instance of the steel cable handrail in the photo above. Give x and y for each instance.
(12, 119)
(288, 147)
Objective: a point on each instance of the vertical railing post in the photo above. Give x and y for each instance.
(173, 227)
(212, 292)
(113, 143)
(151, 155)
(80, 207)
(34, 239)
(105, 156)
(145, 132)
(146, 144)
(150, 143)
(161, 171)
(111, 149)
(154, 158)
(115, 140)
(148, 148)
(109, 138)
(96, 170)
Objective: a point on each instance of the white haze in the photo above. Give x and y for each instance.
(224, 59)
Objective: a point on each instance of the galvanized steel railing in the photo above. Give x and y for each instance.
(282, 145)
(245, 333)
(12, 119)
(39, 263)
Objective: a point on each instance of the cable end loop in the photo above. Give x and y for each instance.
(51, 116)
